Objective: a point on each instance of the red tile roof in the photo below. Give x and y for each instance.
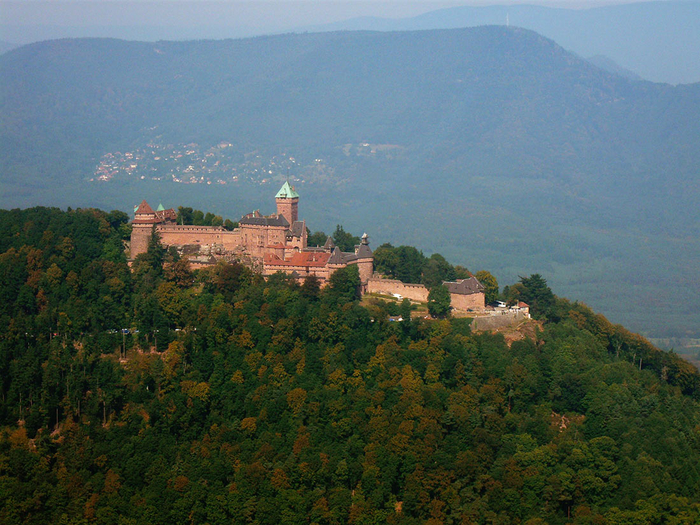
(318, 259)
(144, 207)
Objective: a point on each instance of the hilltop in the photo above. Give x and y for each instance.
(629, 33)
(162, 395)
(491, 142)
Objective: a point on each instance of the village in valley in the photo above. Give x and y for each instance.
(223, 163)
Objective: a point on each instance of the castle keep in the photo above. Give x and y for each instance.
(278, 241)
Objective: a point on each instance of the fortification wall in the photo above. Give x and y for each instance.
(256, 238)
(498, 320)
(180, 235)
(366, 269)
(475, 301)
(322, 272)
(139, 240)
(415, 292)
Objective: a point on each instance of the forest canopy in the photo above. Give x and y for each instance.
(166, 395)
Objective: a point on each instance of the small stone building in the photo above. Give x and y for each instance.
(467, 294)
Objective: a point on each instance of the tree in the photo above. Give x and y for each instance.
(439, 301)
(511, 294)
(311, 287)
(461, 272)
(490, 285)
(411, 262)
(316, 238)
(344, 240)
(344, 284)
(386, 259)
(538, 296)
(209, 219)
(404, 263)
(405, 309)
(180, 273)
(436, 270)
(117, 218)
(184, 215)
(228, 278)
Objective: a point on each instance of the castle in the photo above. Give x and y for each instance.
(278, 241)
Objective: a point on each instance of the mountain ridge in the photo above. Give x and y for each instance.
(627, 33)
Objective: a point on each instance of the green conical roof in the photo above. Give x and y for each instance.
(160, 208)
(286, 192)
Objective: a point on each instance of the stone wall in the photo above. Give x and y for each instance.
(289, 208)
(474, 301)
(322, 272)
(498, 320)
(180, 235)
(415, 292)
(256, 238)
(140, 236)
(366, 270)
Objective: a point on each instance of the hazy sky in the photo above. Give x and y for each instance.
(29, 20)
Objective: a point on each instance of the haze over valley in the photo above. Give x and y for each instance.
(366, 262)
(493, 146)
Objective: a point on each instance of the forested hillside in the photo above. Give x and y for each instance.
(234, 399)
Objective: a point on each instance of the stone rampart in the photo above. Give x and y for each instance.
(474, 301)
(498, 320)
(415, 292)
(180, 235)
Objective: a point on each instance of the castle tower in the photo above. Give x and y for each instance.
(365, 261)
(142, 225)
(288, 203)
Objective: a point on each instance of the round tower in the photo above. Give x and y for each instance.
(365, 261)
(141, 228)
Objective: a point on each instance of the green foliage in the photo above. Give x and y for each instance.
(344, 240)
(490, 285)
(344, 285)
(436, 270)
(439, 301)
(538, 296)
(409, 265)
(404, 263)
(462, 273)
(265, 401)
(317, 239)
(188, 215)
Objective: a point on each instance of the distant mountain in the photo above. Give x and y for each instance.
(491, 145)
(658, 40)
(6, 46)
(495, 99)
(611, 66)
